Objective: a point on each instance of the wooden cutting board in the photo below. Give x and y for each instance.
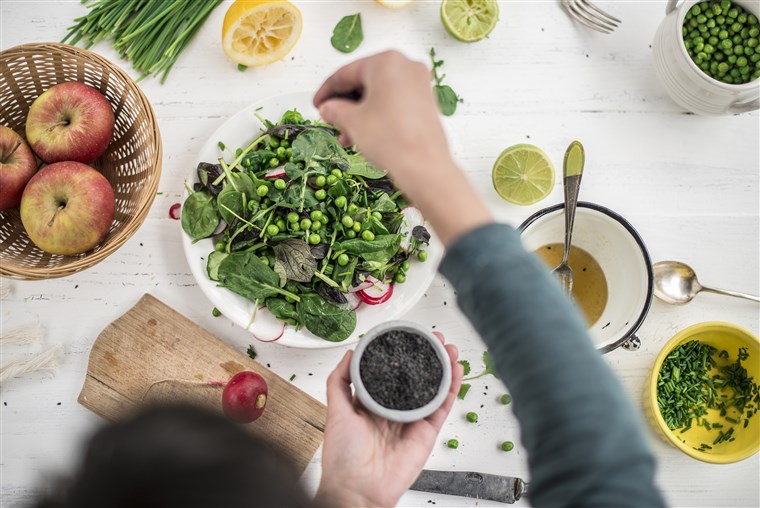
(152, 342)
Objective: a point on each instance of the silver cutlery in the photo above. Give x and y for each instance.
(590, 15)
(676, 283)
(572, 173)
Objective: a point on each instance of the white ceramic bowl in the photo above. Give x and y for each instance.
(686, 83)
(396, 415)
(621, 254)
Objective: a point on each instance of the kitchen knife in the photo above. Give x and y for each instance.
(504, 489)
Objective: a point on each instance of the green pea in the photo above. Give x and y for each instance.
(293, 217)
(285, 143)
(738, 50)
(281, 152)
(280, 224)
(472, 417)
(377, 215)
(725, 5)
(305, 224)
(220, 246)
(726, 44)
(272, 229)
(754, 32)
(716, 10)
(352, 209)
(699, 47)
(274, 142)
(337, 173)
(728, 79)
(702, 56)
(400, 278)
(331, 180)
(452, 443)
(741, 62)
(744, 33)
(742, 18)
(733, 12)
(320, 194)
(320, 181)
(709, 48)
(262, 190)
(736, 27)
(316, 225)
(507, 446)
(752, 43)
(731, 59)
(340, 201)
(347, 221)
(422, 255)
(752, 19)
(406, 265)
(264, 260)
(280, 184)
(505, 399)
(368, 235)
(343, 259)
(695, 10)
(721, 20)
(315, 215)
(351, 233)
(294, 226)
(713, 41)
(357, 227)
(723, 34)
(755, 58)
(314, 239)
(701, 18)
(274, 162)
(216, 312)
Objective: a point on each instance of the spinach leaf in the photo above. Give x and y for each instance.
(212, 266)
(293, 171)
(244, 273)
(377, 227)
(199, 215)
(230, 204)
(325, 319)
(379, 250)
(384, 203)
(315, 145)
(241, 182)
(347, 34)
(360, 166)
(447, 97)
(339, 189)
(283, 310)
(295, 256)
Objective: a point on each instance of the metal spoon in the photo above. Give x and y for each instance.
(677, 284)
(573, 171)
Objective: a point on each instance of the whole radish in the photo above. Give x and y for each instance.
(244, 397)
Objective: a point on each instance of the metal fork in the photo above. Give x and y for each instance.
(573, 171)
(590, 15)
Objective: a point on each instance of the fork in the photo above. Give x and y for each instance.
(573, 171)
(590, 15)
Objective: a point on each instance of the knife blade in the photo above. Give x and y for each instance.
(504, 489)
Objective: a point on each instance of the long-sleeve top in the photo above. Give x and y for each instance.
(584, 441)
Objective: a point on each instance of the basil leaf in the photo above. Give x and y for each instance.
(326, 320)
(199, 215)
(295, 256)
(360, 166)
(447, 99)
(244, 273)
(347, 34)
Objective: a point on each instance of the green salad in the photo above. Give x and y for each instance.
(304, 227)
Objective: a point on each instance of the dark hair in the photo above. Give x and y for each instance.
(179, 457)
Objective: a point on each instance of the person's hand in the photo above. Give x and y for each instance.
(368, 460)
(395, 124)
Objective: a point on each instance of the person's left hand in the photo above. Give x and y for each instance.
(366, 459)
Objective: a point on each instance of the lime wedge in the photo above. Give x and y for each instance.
(523, 175)
(469, 20)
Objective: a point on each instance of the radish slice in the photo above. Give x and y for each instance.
(278, 172)
(412, 218)
(362, 285)
(266, 327)
(175, 211)
(221, 227)
(379, 292)
(354, 301)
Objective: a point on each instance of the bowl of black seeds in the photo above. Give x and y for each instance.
(401, 371)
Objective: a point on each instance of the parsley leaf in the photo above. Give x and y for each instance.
(489, 368)
(466, 365)
(251, 352)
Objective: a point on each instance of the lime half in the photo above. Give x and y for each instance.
(523, 175)
(469, 20)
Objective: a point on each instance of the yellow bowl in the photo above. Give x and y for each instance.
(747, 440)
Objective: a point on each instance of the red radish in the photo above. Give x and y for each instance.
(245, 397)
(175, 210)
(379, 292)
(266, 327)
(278, 172)
(354, 301)
(362, 285)
(412, 218)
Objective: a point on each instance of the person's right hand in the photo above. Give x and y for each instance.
(396, 126)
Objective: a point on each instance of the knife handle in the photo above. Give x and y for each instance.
(503, 489)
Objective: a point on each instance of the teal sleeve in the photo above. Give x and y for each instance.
(584, 441)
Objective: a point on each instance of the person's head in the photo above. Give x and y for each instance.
(178, 457)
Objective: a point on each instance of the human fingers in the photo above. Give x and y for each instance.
(340, 113)
(440, 337)
(347, 79)
(339, 387)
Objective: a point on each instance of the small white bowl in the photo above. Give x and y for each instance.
(403, 416)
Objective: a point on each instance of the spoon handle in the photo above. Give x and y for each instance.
(573, 171)
(732, 293)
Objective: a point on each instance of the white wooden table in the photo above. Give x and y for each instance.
(688, 183)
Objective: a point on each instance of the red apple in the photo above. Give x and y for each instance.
(70, 122)
(17, 166)
(67, 208)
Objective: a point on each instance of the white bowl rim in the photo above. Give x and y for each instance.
(398, 415)
(630, 334)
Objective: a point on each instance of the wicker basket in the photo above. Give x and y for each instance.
(132, 162)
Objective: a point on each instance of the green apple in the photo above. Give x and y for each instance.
(17, 166)
(67, 208)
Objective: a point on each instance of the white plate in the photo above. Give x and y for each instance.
(239, 131)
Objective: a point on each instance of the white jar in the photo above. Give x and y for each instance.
(686, 83)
